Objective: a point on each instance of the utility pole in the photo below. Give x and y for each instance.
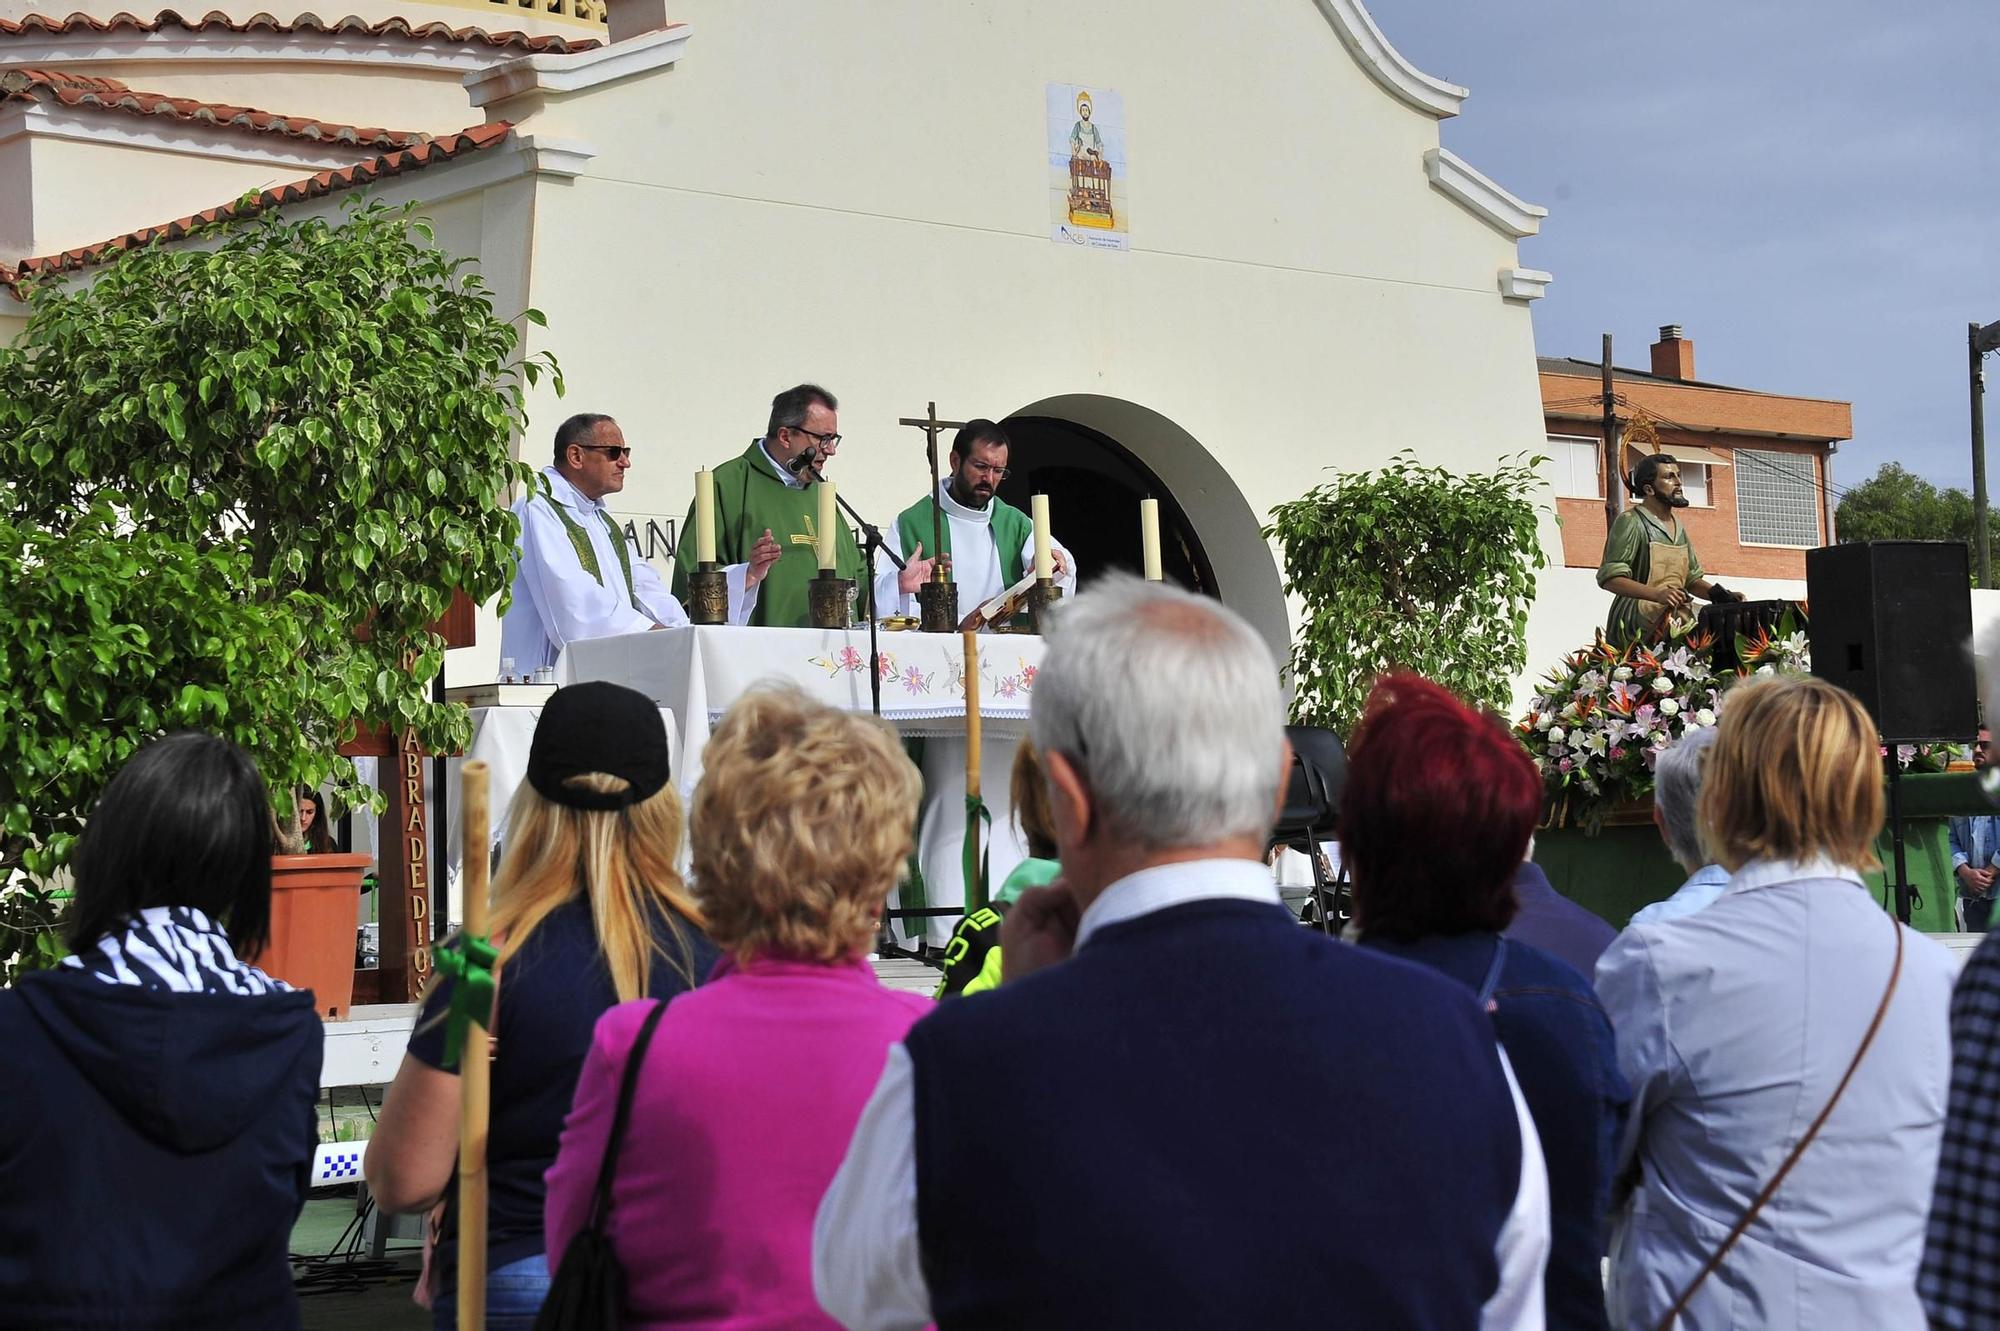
(1979, 341)
(1613, 473)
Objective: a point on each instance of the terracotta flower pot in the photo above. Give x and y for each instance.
(313, 913)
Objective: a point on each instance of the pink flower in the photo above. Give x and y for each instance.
(887, 666)
(1028, 674)
(1565, 765)
(1616, 753)
(849, 660)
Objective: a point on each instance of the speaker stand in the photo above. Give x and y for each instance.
(1906, 897)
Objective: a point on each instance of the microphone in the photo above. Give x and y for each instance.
(806, 459)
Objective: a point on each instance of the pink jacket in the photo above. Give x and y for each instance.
(743, 1112)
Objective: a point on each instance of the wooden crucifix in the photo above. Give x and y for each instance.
(937, 600)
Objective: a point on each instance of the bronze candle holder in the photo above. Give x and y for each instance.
(937, 605)
(708, 594)
(1042, 598)
(827, 598)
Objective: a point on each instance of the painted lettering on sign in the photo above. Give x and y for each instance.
(416, 867)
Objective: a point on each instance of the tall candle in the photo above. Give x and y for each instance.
(1149, 537)
(828, 517)
(1045, 564)
(704, 517)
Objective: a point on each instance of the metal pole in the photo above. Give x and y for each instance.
(1613, 473)
(1981, 547)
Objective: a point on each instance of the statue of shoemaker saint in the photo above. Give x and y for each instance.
(1649, 564)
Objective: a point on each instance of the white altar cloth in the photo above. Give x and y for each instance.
(697, 672)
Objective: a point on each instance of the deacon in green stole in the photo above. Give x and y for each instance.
(988, 543)
(757, 492)
(988, 546)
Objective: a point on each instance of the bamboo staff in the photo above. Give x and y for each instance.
(474, 1071)
(975, 887)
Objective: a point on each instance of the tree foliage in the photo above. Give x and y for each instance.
(244, 480)
(1413, 568)
(1897, 505)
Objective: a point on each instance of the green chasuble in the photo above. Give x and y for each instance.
(1639, 548)
(750, 497)
(1011, 531)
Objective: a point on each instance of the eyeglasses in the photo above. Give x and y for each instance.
(823, 440)
(988, 469)
(612, 451)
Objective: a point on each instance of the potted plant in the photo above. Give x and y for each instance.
(1410, 568)
(242, 482)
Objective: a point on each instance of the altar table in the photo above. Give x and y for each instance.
(697, 672)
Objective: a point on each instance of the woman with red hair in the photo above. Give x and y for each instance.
(1439, 806)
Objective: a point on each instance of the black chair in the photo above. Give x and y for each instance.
(1311, 814)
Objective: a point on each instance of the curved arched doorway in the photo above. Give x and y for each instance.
(1097, 457)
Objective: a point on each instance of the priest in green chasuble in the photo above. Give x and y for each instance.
(759, 494)
(989, 545)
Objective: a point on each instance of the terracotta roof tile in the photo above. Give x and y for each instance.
(352, 25)
(312, 187)
(100, 94)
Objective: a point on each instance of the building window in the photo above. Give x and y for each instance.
(1576, 465)
(1777, 499)
(1694, 483)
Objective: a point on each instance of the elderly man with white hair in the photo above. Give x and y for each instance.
(1676, 790)
(1180, 1108)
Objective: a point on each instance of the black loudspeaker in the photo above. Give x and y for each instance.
(1892, 624)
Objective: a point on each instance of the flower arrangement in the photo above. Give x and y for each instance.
(1600, 720)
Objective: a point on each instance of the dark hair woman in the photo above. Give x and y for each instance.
(1440, 803)
(157, 1135)
(315, 829)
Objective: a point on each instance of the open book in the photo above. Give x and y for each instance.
(1001, 608)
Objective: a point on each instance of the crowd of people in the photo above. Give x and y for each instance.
(1154, 1100)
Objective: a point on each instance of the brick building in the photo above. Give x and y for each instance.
(1757, 465)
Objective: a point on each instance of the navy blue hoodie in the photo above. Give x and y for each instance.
(154, 1152)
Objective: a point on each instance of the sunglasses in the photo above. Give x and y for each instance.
(612, 451)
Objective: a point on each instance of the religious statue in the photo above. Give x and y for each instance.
(1649, 564)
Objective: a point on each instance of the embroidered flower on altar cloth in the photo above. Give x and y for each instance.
(916, 681)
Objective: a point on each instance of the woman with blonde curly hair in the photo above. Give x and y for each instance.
(588, 912)
(1788, 1049)
(752, 1084)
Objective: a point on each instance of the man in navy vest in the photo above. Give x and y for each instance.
(1180, 1108)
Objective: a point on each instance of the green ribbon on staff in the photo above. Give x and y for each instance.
(978, 850)
(468, 963)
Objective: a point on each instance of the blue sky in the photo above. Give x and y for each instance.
(1810, 187)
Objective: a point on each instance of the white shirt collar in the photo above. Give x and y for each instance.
(1771, 873)
(1168, 885)
(791, 481)
(568, 495)
(954, 509)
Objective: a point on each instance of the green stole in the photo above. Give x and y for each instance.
(586, 553)
(749, 497)
(1011, 529)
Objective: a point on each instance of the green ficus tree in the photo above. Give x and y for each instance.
(1410, 568)
(247, 474)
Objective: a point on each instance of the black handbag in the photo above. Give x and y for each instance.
(588, 1290)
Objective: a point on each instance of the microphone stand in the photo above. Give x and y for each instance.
(871, 544)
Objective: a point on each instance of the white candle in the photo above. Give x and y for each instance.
(1149, 537)
(1045, 564)
(704, 517)
(828, 517)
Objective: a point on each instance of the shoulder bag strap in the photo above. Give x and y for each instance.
(600, 1201)
(1722, 1251)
